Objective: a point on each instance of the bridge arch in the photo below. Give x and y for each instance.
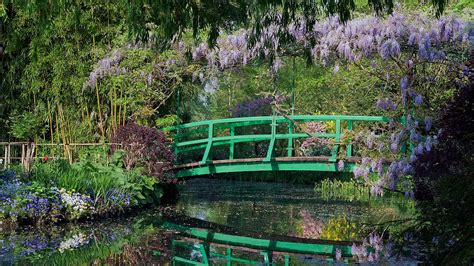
(204, 136)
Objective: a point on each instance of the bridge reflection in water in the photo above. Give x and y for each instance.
(195, 144)
(224, 246)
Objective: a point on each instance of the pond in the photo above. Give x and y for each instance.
(214, 221)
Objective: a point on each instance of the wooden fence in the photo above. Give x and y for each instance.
(27, 152)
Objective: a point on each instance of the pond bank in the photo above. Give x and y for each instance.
(259, 209)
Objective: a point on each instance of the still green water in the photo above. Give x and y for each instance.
(262, 210)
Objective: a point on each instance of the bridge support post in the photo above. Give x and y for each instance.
(290, 139)
(272, 140)
(338, 139)
(267, 257)
(205, 252)
(229, 256)
(232, 144)
(349, 146)
(210, 134)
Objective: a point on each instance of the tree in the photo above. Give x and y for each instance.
(168, 19)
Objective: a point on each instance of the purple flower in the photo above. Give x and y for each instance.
(413, 39)
(418, 99)
(395, 48)
(409, 194)
(376, 190)
(370, 140)
(428, 144)
(404, 83)
(358, 171)
(340, 165)
(381, 146)
(419, 149)
(389, 48)
(414, 136)
(338, 254)
(385, 49)
(394, 147)
(428, 123)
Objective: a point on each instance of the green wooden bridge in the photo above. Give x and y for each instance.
(209, 147)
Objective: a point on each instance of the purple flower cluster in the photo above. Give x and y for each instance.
(390, 48)
(376, 189)
(36, 207)
(367, 166)
(254, 107)
(369, 142)
(230, 51)
(340, 165)
(368, 36)
(374, 243)
(118, 198)
(396, 170)
(105, 67)
(386, 104)
(428, 123)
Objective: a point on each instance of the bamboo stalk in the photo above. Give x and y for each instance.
(63, 133)
(8, 155)
(89, 117)
(23, 156)
(57, 126)
(115, 108)
(120, 108)
(50, 118)
(5, 160)
(124, 110)
(101, 126)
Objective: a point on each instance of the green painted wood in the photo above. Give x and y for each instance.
(262, 244)
(232, 143)
(267, 257)
(228, 252)
(252, 138)
(209, 144)
(350, 125)
(213, 126)
(261, 167)
(272, 141)
(280, 119)
(290, 139)
(335, 149)
(205, 250)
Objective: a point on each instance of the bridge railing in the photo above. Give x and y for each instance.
(207, 137)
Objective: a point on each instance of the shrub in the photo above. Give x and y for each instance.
(444, 185)
(144, 147)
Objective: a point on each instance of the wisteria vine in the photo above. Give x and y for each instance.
(397, 50)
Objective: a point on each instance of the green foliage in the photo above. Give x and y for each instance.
(345, 190)
(172, 18)
(99, 180)
(26, 126)
(340, 228)
(166, 121)
(56, 191)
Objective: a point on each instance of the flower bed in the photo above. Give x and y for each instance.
(56, 191)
